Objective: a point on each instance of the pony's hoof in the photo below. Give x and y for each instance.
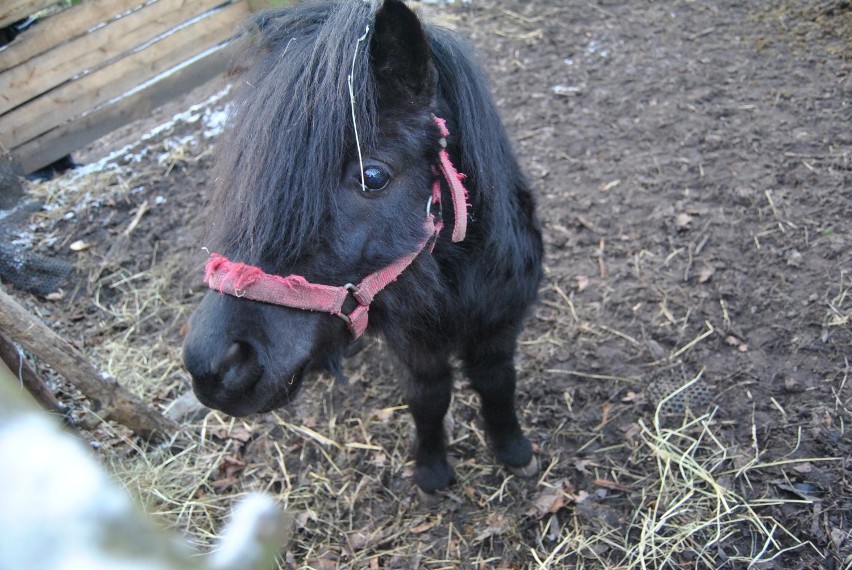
(527, 471)
(428, 499)
(434, 477)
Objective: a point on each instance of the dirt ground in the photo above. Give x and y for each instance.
(693, 165)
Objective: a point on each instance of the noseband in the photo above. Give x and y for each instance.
(250, 282)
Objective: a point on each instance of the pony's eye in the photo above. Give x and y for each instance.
(375, 178)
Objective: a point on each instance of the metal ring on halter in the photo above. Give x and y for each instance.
(353, 289)
(345, 318)
(429, 209)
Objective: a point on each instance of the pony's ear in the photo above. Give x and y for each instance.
(401, 58)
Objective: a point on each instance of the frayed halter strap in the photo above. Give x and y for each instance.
(250, 282)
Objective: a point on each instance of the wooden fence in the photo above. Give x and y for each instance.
(86, 70)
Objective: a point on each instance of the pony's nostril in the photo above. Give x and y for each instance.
(231, 355)
(239, 367)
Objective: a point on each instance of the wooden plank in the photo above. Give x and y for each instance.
(72, 99)
(67, 25)
(13, 10)
(95, 49)
(71, 136)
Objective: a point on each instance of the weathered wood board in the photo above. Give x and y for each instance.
(112, 62)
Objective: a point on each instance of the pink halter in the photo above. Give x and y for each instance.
(250, 282)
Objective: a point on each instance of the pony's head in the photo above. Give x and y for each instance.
(325, 176)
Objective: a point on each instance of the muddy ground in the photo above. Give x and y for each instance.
(693, 166)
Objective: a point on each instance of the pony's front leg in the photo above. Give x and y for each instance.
(490, 365)
(428, 397)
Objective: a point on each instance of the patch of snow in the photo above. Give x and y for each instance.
(126, 153)
(215, 119)
(568, 89)
(595, 47)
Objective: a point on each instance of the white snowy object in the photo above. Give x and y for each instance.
(59, 510)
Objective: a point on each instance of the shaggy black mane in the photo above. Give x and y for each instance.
(268, 197)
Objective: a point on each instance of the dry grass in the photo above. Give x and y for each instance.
(688, 508)
(343, 469)
(344, 472)
(332, 474)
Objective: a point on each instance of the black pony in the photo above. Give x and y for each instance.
(334, 172)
